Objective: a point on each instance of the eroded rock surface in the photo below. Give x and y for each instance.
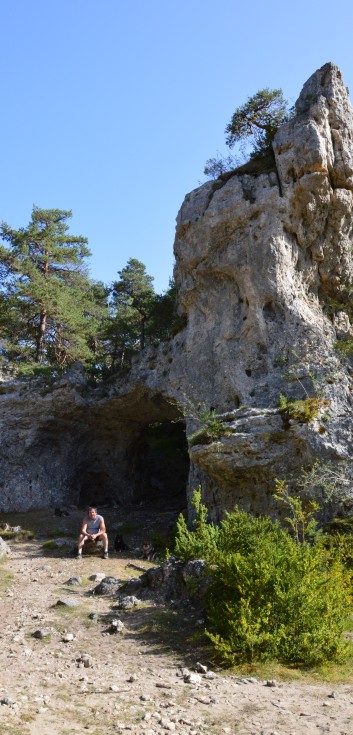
(264, 269)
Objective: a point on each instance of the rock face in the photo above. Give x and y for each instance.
(264, 270)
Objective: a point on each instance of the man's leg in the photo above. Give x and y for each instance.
(104, 537)
(80, 543)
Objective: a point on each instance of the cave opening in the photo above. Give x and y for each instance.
(160, 465)
(139, 464)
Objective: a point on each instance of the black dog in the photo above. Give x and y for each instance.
(60, 512)
(149, 553)
(119, 543)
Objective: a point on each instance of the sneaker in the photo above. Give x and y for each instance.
(79, 556)
(105, 555)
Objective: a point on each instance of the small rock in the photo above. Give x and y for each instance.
(98, 577)
(132, 678)
(8, 701)
(4, 548)
(201, 668)
(270, 683)
(116, 626)
(108, 586)
(209, 675)
(68, 602)
(93, 616)
(192, 678)
(127, 602)
(167, 724)
(42, 633)
(74, 581)
(67, 637)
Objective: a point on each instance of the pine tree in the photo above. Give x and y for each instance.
(47, 291)
(134, 299)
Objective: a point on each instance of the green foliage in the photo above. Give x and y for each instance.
(138, 316)
(200, 542)
(301, 519)
(304, 411)
(49, 300)
(258, 119)
(279, 600)
(345, 347)
(133, 298)
(211, 430)
(219, 165)
(271, 596)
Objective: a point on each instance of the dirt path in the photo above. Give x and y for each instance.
(131, 680)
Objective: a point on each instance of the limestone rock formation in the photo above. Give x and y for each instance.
(264, 271)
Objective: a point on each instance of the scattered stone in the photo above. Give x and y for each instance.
(68, 602)
(132, 677)
(127, 602)
(74, 581)
(192, 678)
(167, 724)
(67, 637)
(108, 586)
(86, 660)
(201, 668)
(209, 675)
(333, 695)
(60, 543)
(93, 616)
(98, 577)
(42, 633)
(116, 626)
(270, 683)
(8, 701)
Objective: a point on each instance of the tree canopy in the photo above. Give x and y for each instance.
(46, 290)
(52, 313)
(254, 122)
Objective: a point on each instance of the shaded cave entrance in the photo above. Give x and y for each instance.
(160, 466)
(151, 468)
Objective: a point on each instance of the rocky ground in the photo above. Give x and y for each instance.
(82, 676)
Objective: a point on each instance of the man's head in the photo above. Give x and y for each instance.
(92, 512)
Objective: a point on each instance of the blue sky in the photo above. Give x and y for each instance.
(111, 108)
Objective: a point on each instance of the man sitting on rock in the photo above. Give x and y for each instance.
(92, 529)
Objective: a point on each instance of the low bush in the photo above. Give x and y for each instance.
(201, 541)
(304, 411)
(270, 597)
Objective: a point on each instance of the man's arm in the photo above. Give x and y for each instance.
(102, 526)
(84, 528)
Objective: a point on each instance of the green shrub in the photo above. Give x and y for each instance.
(211, 430)
(302, 410)
(273, 598)
(201, 542)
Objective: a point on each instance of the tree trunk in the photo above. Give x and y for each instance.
(142, 333)
(41, 335)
